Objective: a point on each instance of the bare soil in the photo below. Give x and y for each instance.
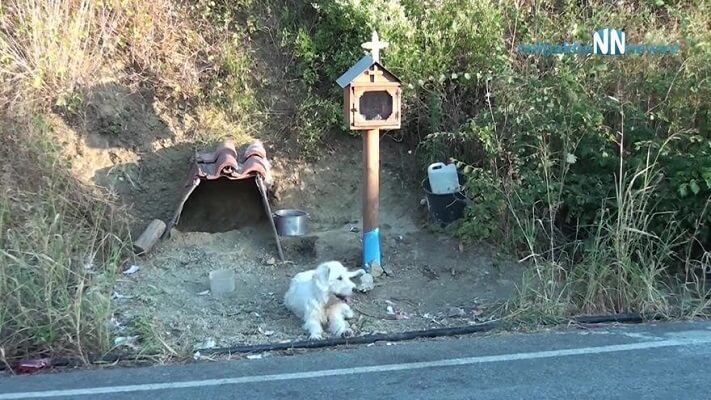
(433, 281)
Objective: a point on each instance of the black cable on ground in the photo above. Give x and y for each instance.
(366, 339)
(358, 340)
(410, 335)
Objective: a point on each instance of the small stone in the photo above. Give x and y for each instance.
(376, 270)
(366, 283)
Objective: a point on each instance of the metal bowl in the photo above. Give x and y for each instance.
(290, 222)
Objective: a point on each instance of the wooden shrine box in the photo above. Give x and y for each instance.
(371, 96)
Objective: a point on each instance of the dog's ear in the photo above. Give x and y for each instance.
(356, 273)
(322, 275)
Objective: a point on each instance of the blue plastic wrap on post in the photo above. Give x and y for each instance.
(371, 248)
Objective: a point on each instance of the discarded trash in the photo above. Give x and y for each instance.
(132, 270)
(204, 293)
(254, 356)
(129, 341)
(396, 315)
(208, 343)
(354, 229)
(270, 261)
(118, 296)
(113, 324)
(265, 333)
(400, 315)
(222, 282)
(455, 312)
(366, 283)
(30, 366)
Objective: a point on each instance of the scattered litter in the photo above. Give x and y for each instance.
(455, 312)
(254, 356)
(119, 296)
(208, 343)
(113, 324)
(132, 270)
(354, 229)
(390, 310)
(270, 261)
(366, 283)
(204, 293)
(30, 366)
(222, 281)
(265, 333)
(400, 315)
(199, 357)
(129, 341)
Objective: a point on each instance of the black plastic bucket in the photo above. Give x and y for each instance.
(444, 209)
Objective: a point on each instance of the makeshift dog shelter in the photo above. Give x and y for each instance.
(225, 190)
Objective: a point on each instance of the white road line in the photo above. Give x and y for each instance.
(147, 387)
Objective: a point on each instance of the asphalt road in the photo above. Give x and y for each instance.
(660, 361)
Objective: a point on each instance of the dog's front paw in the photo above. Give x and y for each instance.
(342, 331)
(316, 336)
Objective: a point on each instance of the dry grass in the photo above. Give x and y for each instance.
(50, 47)
(623, 268)
(60, 246)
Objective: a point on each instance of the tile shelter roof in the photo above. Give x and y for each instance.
(226, 162)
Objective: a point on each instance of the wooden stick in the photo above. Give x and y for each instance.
(268, 209)
(149, 237)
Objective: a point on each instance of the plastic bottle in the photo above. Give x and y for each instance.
(443, 178)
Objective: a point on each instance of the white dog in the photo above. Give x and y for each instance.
(321, 296)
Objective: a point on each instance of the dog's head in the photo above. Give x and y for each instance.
(334, 278)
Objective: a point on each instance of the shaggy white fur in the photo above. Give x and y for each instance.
(321, 296)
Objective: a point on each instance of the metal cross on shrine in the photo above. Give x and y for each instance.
(375, 45)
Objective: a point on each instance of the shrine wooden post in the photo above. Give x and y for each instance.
(371, 102)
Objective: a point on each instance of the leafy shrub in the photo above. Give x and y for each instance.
(546, 140)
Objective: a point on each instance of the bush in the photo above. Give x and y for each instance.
(550, 142)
